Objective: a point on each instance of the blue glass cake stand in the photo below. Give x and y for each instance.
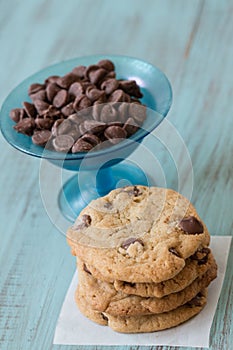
(104, 169)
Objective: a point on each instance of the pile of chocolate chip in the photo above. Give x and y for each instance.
(85, 108)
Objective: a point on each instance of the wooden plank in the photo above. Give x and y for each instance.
(205, 126)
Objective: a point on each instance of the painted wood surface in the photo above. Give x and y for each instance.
(192, 42)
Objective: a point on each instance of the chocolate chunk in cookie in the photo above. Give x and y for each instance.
(130, 241)
(191, 225)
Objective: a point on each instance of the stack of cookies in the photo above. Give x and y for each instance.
(143, 257)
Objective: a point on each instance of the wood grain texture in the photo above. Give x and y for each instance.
(192, 42)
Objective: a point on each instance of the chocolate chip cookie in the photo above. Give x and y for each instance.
(102, 296)
(138, 234)
(195, 266)
(145, 323)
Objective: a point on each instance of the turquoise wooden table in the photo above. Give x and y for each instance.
(192, 42)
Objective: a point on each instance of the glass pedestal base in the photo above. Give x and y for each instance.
(85, 186)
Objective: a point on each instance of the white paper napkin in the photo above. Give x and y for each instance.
(75, 329)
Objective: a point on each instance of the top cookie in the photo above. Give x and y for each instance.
(138, 234)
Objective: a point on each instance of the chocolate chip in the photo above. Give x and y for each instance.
(17, 114)
(130, 284)
(81, 102)
(196, 301)
(115, 134)
(133, 191)
(93, 126)
(130, 126)
(86, 269)
(94, 94)
(79, 71)
(81, 146)
(109, 85)
(76, 89)
(76, 118)
(25, 126)
(130, 241)
(86, 219)
(106, 64)
(87, 84)
(45, 124)
(40, 95)
(137, 112)
(96, 110)
(205, 251)
(41, 106)
(68, 109)
(203, 261)
(116, 123)
(117, 96)
(30, 109)
(136, 191)
(64, 127)
(91, 138)
(61, 98)
(131, 88)
(52, 112)
(191, 225)
(175, 252)
(104, 317)
(63, 143)
(83, 221)
(108, 205)
(34, 88)
(74, 132)
(96, 76)
(123, 111)
(65, 81)
(89, 69)
(82, 128)
(108, 113)
(51, 91)
(110, 75)
(200, 253)
(40, 138)
(201, 256)
(127, 98)
(55, 128)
